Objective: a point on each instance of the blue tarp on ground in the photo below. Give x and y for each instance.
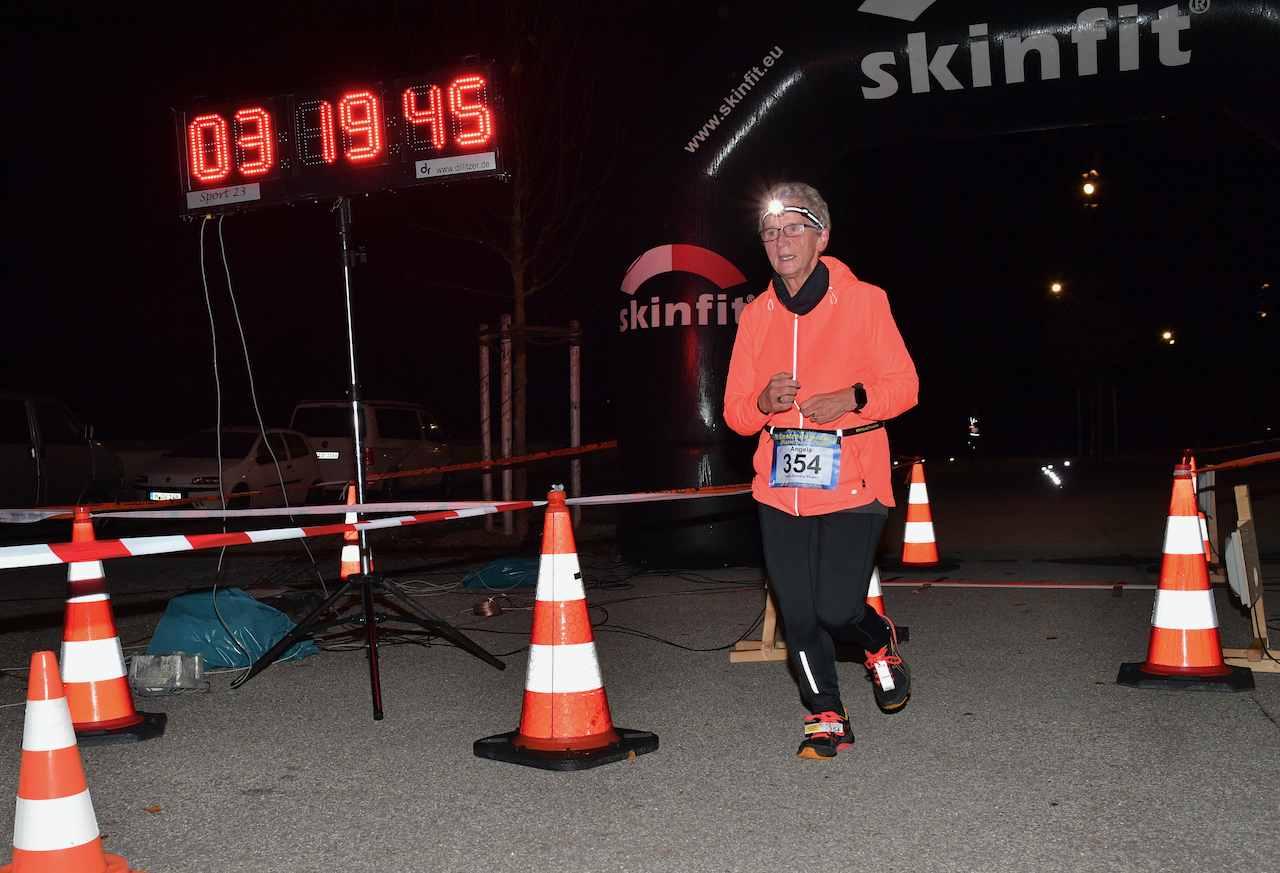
(191, 625)
(504, 574)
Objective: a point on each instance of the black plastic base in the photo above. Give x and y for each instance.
(151, 726)
(632, 743)
(1240, 679)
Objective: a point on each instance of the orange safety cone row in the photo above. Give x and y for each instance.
(565, 723)
(1204, 522)
(1185, 650)
(96, 682)
(54, 828)
(351, 545)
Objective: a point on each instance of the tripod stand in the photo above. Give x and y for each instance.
(370, 584)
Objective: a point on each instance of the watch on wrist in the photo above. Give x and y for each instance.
(859, 397)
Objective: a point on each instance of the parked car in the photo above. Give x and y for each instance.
(396, 436)
(191, 469)
(48, 458)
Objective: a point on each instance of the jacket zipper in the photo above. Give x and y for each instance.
(795, 353)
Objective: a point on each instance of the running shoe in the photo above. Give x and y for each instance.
(890, 676)
(825, 734)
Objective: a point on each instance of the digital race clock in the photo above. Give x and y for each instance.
(331, 142)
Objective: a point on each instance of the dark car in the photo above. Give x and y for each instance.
(48, 458)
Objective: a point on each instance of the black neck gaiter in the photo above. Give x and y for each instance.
(810, 293)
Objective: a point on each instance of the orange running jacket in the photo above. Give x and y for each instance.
(849, 337)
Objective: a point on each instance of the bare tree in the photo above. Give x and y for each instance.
(538, 220)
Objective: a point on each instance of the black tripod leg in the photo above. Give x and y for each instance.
(295, 635)
(441, 627)
(371, 635)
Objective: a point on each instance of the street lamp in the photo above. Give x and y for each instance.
(1056, 287)
(1167, 336)
(1090, 188)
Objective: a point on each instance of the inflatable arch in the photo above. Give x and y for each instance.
(829, 77)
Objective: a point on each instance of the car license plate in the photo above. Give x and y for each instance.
(166, 495)
(326, 456)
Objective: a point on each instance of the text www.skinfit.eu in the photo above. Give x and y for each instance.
(749, 81)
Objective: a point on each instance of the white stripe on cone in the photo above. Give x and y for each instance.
(92, 660)
(918, 532)
(873, 590)
(80, 571)
(560, 578)
(1184, 610)
(918, 493)
(566, 669)
(54, 824)
(48, 726)
(1182, 536)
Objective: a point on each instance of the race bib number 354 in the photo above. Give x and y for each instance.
(805, 459)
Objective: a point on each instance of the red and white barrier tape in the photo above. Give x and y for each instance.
(419, 505)
(12, 557)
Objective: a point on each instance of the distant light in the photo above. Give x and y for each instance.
(1048, 471)
(952, 460)
(1056, 287)
(1170, 342)
(1066, 463)
(1088, 188)
(1261, 314)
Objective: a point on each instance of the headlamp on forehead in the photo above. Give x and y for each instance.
(776, 207)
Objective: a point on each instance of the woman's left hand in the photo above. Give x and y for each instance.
(823, 408)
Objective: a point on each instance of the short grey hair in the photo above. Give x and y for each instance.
(807, 196)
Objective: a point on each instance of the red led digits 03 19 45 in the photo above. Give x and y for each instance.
(319, 144)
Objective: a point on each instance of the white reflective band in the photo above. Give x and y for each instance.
(1184, 610)
(563, 669)
(89, 598)
(58, 823)
(92, 660)
(918, 493)
(48, 726)
(918, 532)
(805, 661)
(873, 590)
(560, 578)
(886, 678)
(156, 545)
(27, 556)
(1182, 536)
(79, 571)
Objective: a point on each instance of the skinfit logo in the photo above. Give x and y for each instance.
(707, 310)
(906, 10)
(930, 64)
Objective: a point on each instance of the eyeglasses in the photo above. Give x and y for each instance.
(769, 234)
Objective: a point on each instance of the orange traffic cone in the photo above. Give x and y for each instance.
(351, 546)
(565, 723)
(875, 599)
(1185, 650)
(919, 549)
(54, 830)
(97, 684)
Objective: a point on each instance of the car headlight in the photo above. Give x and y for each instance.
(205, 480)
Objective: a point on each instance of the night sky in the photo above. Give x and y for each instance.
(105, 306)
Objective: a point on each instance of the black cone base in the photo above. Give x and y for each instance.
(630, 744)
(151, 726)
(1240, 679)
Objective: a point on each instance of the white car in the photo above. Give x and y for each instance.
(191, 469)
(396, 436)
